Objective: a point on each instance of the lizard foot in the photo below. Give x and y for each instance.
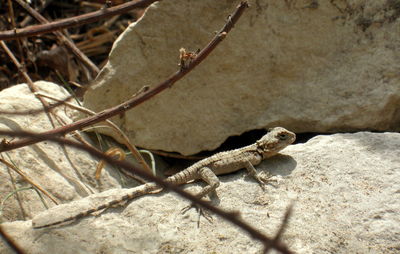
(200, 211)
(263, 179)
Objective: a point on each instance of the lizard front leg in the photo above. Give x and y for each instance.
(253, 173)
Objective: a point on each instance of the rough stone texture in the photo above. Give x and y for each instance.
(345, 189)
(324, 69)
(65, 173)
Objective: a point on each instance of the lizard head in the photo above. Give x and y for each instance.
(275, 140)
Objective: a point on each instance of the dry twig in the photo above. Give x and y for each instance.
(74, 21)
(63, 39)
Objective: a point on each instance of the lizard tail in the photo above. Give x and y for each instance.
(136, 192)
(183, 176)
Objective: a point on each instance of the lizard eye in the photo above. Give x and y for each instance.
(283, 136)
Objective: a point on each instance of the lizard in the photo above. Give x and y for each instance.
(207, 170)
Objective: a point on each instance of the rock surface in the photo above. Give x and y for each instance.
(67, 174)
(327, 66)
(345, 189)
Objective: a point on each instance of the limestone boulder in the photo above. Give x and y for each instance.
(310, 66)
(344, 188)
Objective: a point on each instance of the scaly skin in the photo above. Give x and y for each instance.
(207, 169)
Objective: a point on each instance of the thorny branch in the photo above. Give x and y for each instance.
(134, 101)
(74, 21)
(230, 216)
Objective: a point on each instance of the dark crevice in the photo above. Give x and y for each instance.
(249, 137)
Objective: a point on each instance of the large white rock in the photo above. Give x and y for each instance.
(345, 189)
(326, 67)
(66, 173)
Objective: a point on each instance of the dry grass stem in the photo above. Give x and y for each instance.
(29, 180)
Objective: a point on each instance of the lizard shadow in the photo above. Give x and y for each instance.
(280, 164)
